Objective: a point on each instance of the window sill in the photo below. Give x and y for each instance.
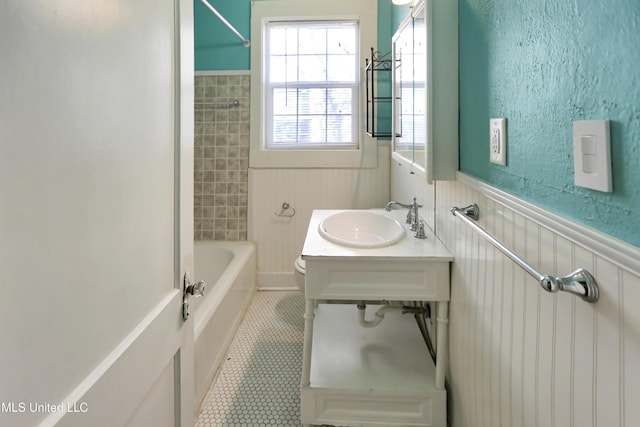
(365, 157)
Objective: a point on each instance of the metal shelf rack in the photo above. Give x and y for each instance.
(373, 65)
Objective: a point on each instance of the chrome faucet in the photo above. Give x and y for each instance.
(392, 203)
(413, 214)
(413, 217)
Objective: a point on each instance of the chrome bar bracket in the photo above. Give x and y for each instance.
(472, 211)
(579, 282)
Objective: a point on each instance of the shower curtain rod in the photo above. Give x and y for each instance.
(245, 42)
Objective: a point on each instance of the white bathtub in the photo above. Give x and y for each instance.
(229, 268)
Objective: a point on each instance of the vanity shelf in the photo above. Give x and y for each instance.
(380, 375)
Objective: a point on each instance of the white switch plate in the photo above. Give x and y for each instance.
(498, 141)
(592, 154)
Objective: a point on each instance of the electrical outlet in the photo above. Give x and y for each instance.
(498, 141)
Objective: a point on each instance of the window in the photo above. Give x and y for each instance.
(306, 90)
(312, 83)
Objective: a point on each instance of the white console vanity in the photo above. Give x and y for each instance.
(382, 375)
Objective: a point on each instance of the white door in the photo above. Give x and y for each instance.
(96, 228)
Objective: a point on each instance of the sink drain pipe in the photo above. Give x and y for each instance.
(379, 315)
(421, 313)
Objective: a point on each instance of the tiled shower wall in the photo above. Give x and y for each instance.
(221, 155)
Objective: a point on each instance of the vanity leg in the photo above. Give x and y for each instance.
(442, 335)
(309, 315)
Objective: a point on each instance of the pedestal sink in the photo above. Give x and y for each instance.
(361, 229)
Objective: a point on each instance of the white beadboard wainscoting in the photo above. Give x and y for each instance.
(520, 356)
(278, 239)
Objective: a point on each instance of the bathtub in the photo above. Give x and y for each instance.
(229, 268)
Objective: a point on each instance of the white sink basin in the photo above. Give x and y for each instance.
(361, 229)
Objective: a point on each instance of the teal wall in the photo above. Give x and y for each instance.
(389, 19)
(543, 65)
(217, 48)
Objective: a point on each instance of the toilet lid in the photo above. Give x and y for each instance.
(300, 264)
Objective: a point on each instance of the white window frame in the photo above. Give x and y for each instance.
(291, 85)
(263, 12)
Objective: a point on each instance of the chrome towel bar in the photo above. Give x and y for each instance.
(579, 282)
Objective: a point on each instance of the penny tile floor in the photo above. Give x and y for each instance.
(258, 383)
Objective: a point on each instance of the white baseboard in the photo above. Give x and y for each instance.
(279, 281)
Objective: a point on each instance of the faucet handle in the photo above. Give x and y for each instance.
(413, 217)
(420, 233)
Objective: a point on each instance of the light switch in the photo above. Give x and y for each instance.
(592, 154)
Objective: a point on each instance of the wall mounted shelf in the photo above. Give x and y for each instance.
(377, 63)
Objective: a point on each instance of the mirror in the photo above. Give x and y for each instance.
(420, 122)
(410, 122)
(425, 91)
(403, 93)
